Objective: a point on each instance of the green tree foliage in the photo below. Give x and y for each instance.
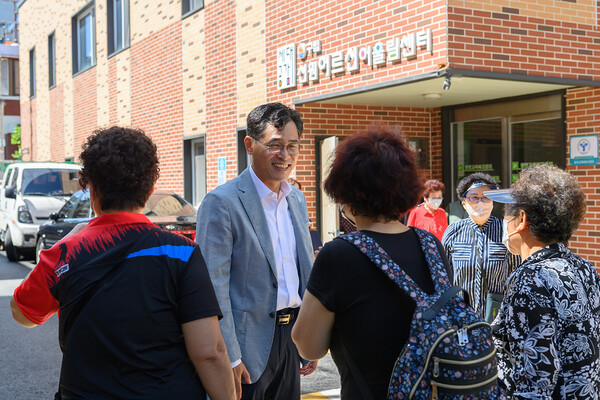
(15, 138)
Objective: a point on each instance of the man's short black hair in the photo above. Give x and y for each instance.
(276, 114)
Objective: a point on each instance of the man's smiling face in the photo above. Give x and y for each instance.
(272, 169)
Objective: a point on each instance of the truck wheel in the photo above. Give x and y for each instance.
(12, 253)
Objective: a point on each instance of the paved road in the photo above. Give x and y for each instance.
(30, 358)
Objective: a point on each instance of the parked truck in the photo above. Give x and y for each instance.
(30, 192)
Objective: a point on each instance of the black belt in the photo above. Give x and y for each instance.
(286, 315)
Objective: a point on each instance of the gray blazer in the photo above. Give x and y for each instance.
(234, 238)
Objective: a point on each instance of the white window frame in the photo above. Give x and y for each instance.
(51, 60)
(114, 26)
(189, 7)
(78, 65)
(32, 72)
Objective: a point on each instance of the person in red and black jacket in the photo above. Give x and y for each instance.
(138, 315)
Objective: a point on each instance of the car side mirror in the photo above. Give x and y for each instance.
(54, 216)
(9, 193)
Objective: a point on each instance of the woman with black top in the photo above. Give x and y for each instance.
(348, 299)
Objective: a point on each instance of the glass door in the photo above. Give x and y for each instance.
(536, 142)
(477, 147)
(503, 138)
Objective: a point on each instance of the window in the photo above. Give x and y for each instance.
(118, 25)
(84, 39)
(51, 61)
(9, 85)
(502, 138)
(194, 172)
(190, 6)
(32, 72)
(7, 177)
(243, 159)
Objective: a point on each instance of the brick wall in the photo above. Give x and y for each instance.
(349, 24)
(251, 65)
(112, 89)
(57, 149)
(85, 116)
(221, 86)
(510, 41)
(583, 119)
(194, 74)
(156, 101)
(322, 120)
(47, 17)
(28, 129)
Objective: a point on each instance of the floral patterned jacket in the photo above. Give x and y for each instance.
(548, 329)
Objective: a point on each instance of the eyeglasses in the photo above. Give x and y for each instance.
(477, 199)
(276, 148)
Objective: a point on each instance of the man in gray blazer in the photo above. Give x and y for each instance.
(253, 233)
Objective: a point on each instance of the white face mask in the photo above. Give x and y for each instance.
(480, 211)
(435, 203)
(505, 234)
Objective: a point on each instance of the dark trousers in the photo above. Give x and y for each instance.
(281, 378)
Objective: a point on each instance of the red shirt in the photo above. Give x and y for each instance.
(435, 223)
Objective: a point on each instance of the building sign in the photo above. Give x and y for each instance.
(286, 66)
(584, 150)
(222, 171)
(315, 64)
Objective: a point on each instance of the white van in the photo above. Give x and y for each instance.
(30, 192)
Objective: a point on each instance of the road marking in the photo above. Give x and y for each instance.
(333, 394)
(8, 286)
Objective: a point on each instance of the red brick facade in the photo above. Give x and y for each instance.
(512, 43)
(583, 117)
(221, 87)
(348, 24)
(322, 120)
(57, 123)
(112, 88)
(207, 59)
(156, 104)
(84, 106)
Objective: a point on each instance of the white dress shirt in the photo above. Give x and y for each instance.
(283, 239)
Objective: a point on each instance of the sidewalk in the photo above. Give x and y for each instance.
(333, 394)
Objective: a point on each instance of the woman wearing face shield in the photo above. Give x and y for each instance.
(429, 215)
(480, 262)
(548, 329)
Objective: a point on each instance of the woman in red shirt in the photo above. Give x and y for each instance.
(429, 215)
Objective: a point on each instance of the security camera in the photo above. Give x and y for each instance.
(446, 84)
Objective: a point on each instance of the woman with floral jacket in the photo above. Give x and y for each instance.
(548, 328)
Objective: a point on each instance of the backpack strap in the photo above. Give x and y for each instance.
(369, 247)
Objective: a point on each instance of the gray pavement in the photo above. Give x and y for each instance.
(29, 358)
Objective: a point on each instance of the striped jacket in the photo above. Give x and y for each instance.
(463, 241)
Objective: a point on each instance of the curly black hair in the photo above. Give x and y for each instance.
(122, 165)
(553, 201)
(276, 114)
(465, 183)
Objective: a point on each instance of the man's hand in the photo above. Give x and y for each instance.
(317, 251)
(309, 368)
(240, 372)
